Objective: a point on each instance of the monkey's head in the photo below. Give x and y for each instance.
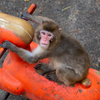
(47, 34)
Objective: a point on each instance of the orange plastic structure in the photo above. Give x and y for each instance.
(19, 78)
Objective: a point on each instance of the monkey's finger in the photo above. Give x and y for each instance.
(38, 66)
(45, 72)
(48, 77)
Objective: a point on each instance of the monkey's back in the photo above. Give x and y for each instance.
(70, 52)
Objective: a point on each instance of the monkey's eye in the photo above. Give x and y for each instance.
(43, 33)
(49, 35)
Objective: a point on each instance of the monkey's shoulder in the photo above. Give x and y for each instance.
(68, 45)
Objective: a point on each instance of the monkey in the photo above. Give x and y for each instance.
(67, 56)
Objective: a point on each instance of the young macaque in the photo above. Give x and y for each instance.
(67, 56)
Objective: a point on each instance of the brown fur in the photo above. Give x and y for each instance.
(67, 56)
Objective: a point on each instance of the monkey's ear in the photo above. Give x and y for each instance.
(43, 21)
(60, 30)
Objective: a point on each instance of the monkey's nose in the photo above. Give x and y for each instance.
(45, 38)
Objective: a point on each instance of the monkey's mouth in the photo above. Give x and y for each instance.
(44, 44)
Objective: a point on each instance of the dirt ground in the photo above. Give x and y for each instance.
(79, 18)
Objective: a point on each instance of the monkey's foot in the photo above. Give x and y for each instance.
(52, 76)
(39, 66)
(44, 67)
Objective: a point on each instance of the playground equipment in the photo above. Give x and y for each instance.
(19, 78)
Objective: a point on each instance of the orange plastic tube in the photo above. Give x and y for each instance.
(10, 84)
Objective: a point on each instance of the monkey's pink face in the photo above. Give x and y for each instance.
(46, 37)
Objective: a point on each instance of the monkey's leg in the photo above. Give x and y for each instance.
(68, 76)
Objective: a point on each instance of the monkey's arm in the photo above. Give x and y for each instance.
(30, 57)
(36, 19)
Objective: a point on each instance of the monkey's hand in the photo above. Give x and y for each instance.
(40, 66)
(25, 16)
(8, 45)
(45, 67)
